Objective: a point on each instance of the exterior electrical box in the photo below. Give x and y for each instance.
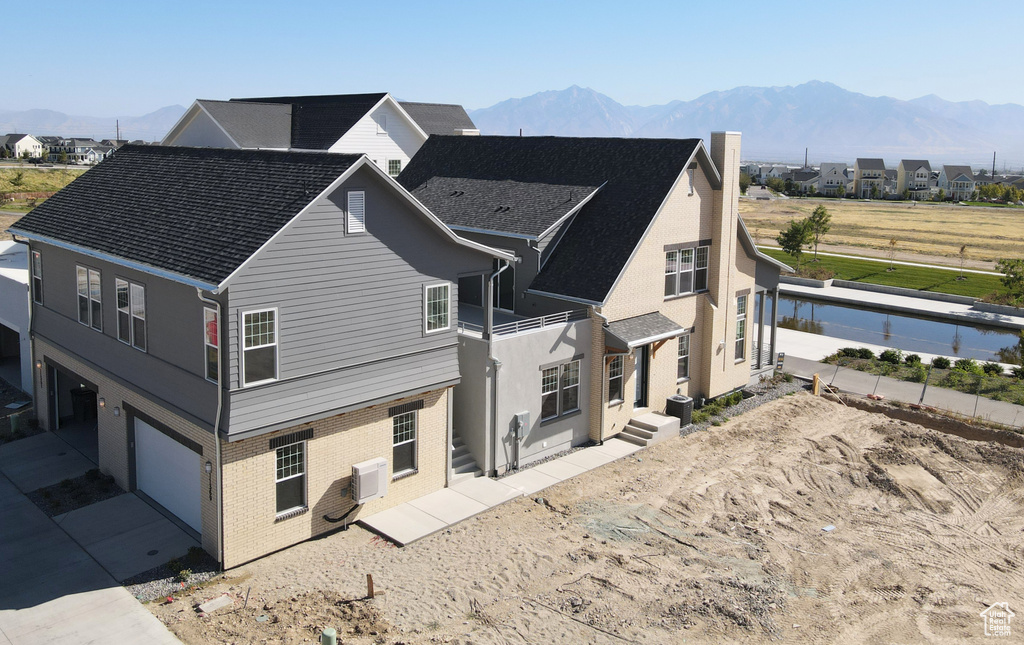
(369, 480)
(522, 424)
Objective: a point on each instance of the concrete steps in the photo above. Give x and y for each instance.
(463, 465)
(649, 429)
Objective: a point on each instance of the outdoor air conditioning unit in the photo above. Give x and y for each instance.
(369, 480)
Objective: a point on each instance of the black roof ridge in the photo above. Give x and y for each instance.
(229, 152)
(278, 99)
(431, 103)
(673, 140)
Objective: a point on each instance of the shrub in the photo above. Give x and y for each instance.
(893, 356)
(865, 353)
(940, 362)
(787, 377)
(850, 352)
(954, 379)
(817, 273)
(183, 575)
(912, 359)
(1018, 372)
(967, 365)
(918, 374)
(992, 369)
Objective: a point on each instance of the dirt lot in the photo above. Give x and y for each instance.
(715, 537)
(926, 232)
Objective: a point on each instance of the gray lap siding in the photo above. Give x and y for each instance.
(350, 308)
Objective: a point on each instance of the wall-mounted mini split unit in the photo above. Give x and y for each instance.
(369, 480)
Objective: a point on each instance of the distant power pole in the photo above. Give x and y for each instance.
(993, 163)
(805, 157)
(117, 127)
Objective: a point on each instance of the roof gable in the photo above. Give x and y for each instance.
(252, 125)
(319, 121)
(438, 118)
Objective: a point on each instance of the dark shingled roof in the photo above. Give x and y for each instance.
(439, 118)
(198, 212)
(871, 164)
(319, 121)
(253, 125)
(635, 174)
(641, 330)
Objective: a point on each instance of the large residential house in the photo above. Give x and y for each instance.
(803, 181)
(20, 145)
(243, 330)
(957, 182)
(914, 176)
(832, 178)
(635, 281)
(869, 178)
(388, 131)
(79, 151)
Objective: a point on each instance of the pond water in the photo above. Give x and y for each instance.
(906, 332)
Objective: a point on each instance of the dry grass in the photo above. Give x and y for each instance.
(927, 229)
(35, 180)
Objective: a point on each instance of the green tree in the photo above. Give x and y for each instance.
(18, 178)
(963, 256)
(776, 184)
(892, 253)
(745, 181)
(841, 191)
(819, 223)
(905, 195)
(62, 157)
(1013, 278)
(940, 196)
(795, 238)
(874, 191)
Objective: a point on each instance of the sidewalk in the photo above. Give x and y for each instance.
(415, 520)
(905, 304)
(857, 382)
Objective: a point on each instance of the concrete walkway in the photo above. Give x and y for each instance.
(415, 520)
(904, 304)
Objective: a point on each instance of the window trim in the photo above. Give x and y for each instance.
(414, 414)
(89, 272)
(426, 308)
(680, 356)
(132, 341)
(741, 321)
(354, 226)
(206, 344)
(692, 268)
(562, 387)
(394, 161)
(276, 345)
(545, 381)
(36, 273)
(620, 377)
(288, 512)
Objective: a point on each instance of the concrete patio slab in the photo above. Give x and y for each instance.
(616, 447)
(588, 459)
(530, 481)
(560, 470)
(448, 506)
(120, 533)
(487, 491)
(41, 460)
(403, 524)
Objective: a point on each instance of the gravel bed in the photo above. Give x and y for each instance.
(557, 455)
(162, 581)
(72, 494)
(763, 393)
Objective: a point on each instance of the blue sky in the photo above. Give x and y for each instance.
(130, 58)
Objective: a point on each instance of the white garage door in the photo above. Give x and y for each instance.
(168, 472)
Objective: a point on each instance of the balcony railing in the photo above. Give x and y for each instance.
(527, 324)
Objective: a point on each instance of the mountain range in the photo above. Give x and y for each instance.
(778, 123)
(149, 127)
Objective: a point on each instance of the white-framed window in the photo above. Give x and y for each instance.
(131, 313)
(291, 477)
(683, 365)
(741, 327)
(90, 298)
(559, 390)
(549, 393)
(259, 346)
(700, 271)
(37, 277)
(437, 307)
(686, 271)
(394, 167)
(403, 441)
(570, 387)
(211, 341)
(615, 380)
(355, 211)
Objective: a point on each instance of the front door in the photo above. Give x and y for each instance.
(641, 356)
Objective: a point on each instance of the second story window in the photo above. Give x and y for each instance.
(131, 313)
(259, 346)
(355, 218)
(37, 277)
(211, 340)
(90, 302)
(394, 167)
(438, 307)
(686, 271)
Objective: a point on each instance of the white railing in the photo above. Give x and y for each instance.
(527, 324)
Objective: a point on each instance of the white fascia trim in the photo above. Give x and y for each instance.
(363, 161)
(657, 214)
(426, 212)
(759, 254)
(572, 212)
(653, 339)
(401, 111)
(187, 116)
(487, 231)
(113, 259)
(558, 296)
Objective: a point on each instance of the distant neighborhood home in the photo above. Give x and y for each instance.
(78, 151)
(20, 145)
(914, 176)
(869, 178)
(388, 131)
(832, 178)
(802, 181)
(957, 182)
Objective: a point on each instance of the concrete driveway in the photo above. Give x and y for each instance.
(56, 585)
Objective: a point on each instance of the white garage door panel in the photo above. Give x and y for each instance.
(168, 472)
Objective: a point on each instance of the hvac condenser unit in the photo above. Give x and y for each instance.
(369, 480)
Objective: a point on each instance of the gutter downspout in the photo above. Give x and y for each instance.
(32, 336)
(604, 376)
(497, 366)
(216, 425)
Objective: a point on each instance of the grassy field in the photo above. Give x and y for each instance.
(910, 277)
(35, 180)
(932, 229)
